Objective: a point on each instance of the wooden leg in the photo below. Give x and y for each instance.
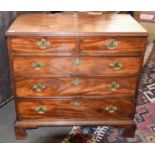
(20, 132)
(129, 130)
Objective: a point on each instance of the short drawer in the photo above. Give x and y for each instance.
(101, 109)
(83, 65)
(76, 86)
(113, 45)
(39, 45)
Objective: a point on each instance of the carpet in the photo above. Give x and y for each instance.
(144, 117)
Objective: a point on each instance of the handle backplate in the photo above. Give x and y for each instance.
(41, 110)
(111, 44)
(43, 44)
(37, 65)
(111, 108)
(113, 86)
(75, 103)
(39, 87)
(116, 65)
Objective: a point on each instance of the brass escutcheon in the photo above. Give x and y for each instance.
(78, 62)
(76, 82)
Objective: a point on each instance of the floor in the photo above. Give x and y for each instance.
(40, 135)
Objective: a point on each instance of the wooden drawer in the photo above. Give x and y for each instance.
(38, 45)
(76, 86)
(101, 109)
(69, 65)
(115, 45)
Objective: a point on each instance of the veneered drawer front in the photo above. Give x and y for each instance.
(69, 65)
(101, 109)
(76, 86)
(38, 45)
(116, 45)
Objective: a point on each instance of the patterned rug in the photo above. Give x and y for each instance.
(144, 118)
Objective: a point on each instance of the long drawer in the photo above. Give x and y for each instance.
(75, 109)
(76, 65)
(76, 86)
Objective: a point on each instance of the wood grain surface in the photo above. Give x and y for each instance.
(64, 110)
(66, 65)
(76, 86)
(125, 45)
(75, 25)
(29, 45)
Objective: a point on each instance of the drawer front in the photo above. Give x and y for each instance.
(119, 45)
(77, 86)
(83, 65)
(40, 45)
(75, 109)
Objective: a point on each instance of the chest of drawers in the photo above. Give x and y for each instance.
(75, 69)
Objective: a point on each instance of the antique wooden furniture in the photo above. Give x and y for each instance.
(75, 69)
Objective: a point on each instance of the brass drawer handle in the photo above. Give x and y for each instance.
(76, 82)
(111, 108)
(111, 44)
(37, 65)
(113, 86)
(43, 44)
(41, 110)
(116, 65)
(39, 87)
(75, 103)
(78, 62)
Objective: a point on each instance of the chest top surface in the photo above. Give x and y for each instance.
(76, 25)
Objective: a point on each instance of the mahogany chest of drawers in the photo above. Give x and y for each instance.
(75, 69)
